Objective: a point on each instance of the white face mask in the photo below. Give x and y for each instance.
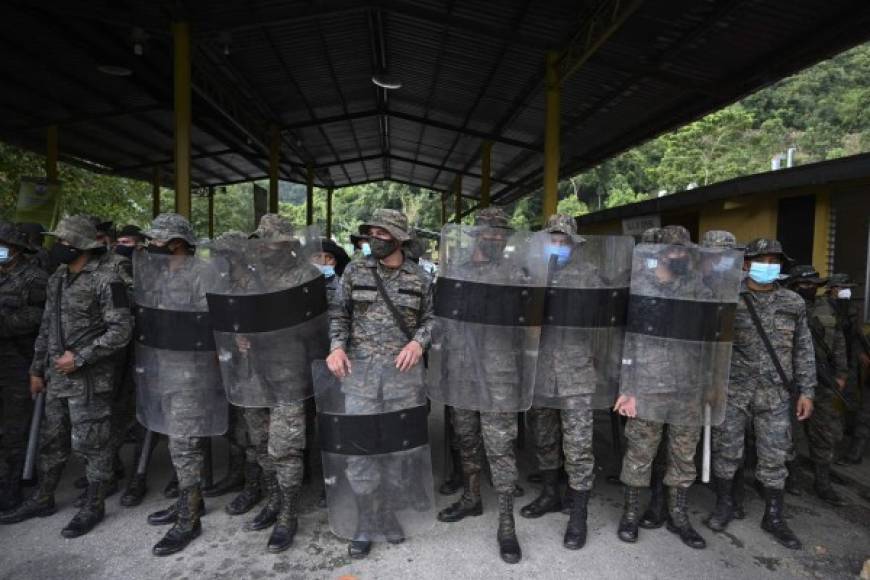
(844, 293)
(651, 263)
(5, 254)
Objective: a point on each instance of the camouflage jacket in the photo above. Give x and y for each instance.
(88, 314)
(122, 266)
(822, 321)
(784, 317)
(22, 297)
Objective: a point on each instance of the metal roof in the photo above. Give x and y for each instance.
(472, 70)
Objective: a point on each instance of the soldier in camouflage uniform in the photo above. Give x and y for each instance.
(362, 326)
(86, 323)
(756, 392)
(22, 297)
(824, 429)
(35, 235)
(643, 437)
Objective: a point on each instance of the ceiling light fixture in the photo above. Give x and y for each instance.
(114, 70)
(387, 81)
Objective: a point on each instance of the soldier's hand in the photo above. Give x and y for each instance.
(243, 343)
(626, 406)
(841, 382)
(65, 363)
(864, 360)
(804, 408)
(37, 385)
(410, 356)
(338, 363)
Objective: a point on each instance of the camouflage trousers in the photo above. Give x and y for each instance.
(824, 428)
(277, 435)
(123, 412)
(188, 459)
(642, 439)
(16, 407)
(80, 424)
(773, 439)
(497, 432)
(862, 417)
(237, 435)
(568, 431)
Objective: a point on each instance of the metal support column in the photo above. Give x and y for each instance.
(155, 192)
(274, 161)
(309, 197)
(181, 46)
(551, 135)
(443, 208)
(485, 173)
(329, 213)
(457, 198)
(211, 212)
(51, 153)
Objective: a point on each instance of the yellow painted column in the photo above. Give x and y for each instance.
(821, 234)
(274, 161)
(485, 173)
(329, 213)
(181, 46)
(155, 192)
(211, 212)
(309, 198)
(551, 135)
(51, 153)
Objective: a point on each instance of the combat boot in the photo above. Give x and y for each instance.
(171, 489)
(469, 504)
(575, 533)
(110, 488)
(366, 527)
(657, 510)
(10, 491)
(738, 494)
(855, 454)
(508, 545)
(234, 480)
(286, 524)
(678, 518)
(823, 486)
(723, 513)
(774, 521)
(91, 513)
(792, 481)
(136, 489)
(250, 495)
(454, 483)
(40, 504)
(628, 524)
(187, 526)
(549, 500)
(269, 514)
(170, 514)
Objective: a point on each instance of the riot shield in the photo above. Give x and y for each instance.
(374, 439)
(178, 385)
(489, 301)
(270, 322)
(677, 352)
(584, 324)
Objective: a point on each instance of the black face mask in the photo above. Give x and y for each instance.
(382, 248)
(492, 250)
(159, 250)
(64, 254)
(807, 292)
(679, 266)
(126, 251)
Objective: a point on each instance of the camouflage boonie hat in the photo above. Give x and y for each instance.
(391, 220)
(763, 247)
(675, 236)
(719, 239)
(805, 273)
(231, 236)
(840, 280)
(78, 232)
(12, 236)
(651, 236)
(171, 226)
(274, 228)
(563, 224)
(493, 217)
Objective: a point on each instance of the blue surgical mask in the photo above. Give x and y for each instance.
(5, 254)
(562, 253)
(724, 264)
(763, 273)
(366, 249)
(328, 271)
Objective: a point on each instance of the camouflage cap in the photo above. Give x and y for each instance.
(231, 236)
(78, 232)
(391, 220)
(675, 236)
(171, 226)
(275, 228)
(719, 239)
(651, 236)
(12, 236)
(804, 273)
(130, 231)
(840, 280)
(563, 224)
(493, 217)
(764, 247)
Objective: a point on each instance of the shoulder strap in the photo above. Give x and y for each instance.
(765, 339)
(397, 316)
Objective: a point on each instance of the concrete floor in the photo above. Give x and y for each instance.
(837, 541)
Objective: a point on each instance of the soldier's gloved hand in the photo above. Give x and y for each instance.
(626, 406)
(65, 363)
(338, 363)
(804, 408)
(37, 385)
(410, 356)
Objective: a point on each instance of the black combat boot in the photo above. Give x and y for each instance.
(738, 494)
(792, 482)
(40, 504)
(468, 505)
(187, 526)
(10, 490)
(508, 545)
(251, 494)
(454, 483)
(628, 524)
(287, 523)
(136, 489)
(110, 488)
(366, 527)
(774, 521)
(823, 486)
(549, 500)
(678, 518)
(170, 514)
(269, 514)
(234, 480)
(723, 513)
(855, 454)
(91, 513)
(575, 533)
(657, 510)
(171, 489)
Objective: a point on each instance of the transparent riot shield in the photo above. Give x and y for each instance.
(584, 322)
(677, 352)
(178, 385)
(270, 320)
(489, 301)
(374, 439)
